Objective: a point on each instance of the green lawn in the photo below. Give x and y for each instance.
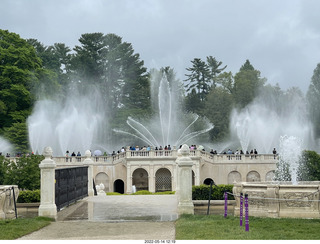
(216, 227)
(15, 228)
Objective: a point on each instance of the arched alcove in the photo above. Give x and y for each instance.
(234, 176)
(140, 179)
(103, 178)
(118, 186)
(253, 176)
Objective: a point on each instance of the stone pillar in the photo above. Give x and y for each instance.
(152, 182)
(129, 179)
(273, 206)
(185, 205)
(47, 166)
(88, 162)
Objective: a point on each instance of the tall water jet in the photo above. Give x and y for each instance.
(5, 146)
(261, 123)
(169, 126)
(289, 157)
(72, 125)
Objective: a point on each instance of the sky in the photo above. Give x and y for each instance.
(281, 38)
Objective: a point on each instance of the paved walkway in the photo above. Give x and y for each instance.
(127, 217)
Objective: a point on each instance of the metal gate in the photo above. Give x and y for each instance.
(163, 180)
(71, 185)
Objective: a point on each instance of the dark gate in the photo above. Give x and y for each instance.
(71, 185)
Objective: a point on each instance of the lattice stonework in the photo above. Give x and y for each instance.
(163, 180)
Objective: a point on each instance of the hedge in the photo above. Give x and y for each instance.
(28, 196)
(202, 192)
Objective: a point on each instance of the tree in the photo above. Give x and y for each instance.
(247, 83)
(56, 59)
(217, 109)
(199, 79)
(110, 64)
(19, 66)
(309, 167)
(214, 69)
(313, 100)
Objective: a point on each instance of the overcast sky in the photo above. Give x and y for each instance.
(281, 38)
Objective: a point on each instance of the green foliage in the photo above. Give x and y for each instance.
(165, 193)
(25, 172)
(202, 192)
(247, 83)
(309, 168)
(18, 134)
(218, 109)
(313, 100)
(113, 194)
(142, 192)
(28, 196)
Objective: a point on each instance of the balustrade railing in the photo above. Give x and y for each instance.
(211, 158)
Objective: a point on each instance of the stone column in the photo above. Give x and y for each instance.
(129, 179)
(185, 205)
(88, 162)
(273, 206)
(47, 166)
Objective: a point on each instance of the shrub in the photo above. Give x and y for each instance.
(202, 192)
(28, 196)
(143, 192)
(114, 193)
(165, 193)
(25, 173)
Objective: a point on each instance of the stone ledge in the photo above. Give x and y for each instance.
(212, 202)
(28, 205)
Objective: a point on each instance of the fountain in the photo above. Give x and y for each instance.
(285, 197)
(80, 122)
(261, 124)
(72, 125)
(5, 146)
(169, 126)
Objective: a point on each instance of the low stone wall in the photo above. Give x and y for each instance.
(7, 208)
(280, 199)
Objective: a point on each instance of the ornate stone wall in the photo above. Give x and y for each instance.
(280, 199)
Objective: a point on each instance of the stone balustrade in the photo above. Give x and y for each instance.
(8, 196)
(280, 199)
(170, 154)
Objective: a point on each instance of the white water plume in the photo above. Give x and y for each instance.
(72, 125)
(169, 126)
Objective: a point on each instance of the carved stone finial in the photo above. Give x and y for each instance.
(88, 154)
(185, 150)
(47, 152)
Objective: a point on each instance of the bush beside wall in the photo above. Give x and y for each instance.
(202, 192)
(28, 196)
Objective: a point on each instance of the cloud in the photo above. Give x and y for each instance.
(280, 38)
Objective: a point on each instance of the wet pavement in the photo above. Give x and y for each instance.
(123, 208)
(128, 217)
(119, 217)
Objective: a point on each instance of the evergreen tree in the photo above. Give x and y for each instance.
(313, 100)
(110, 64)
(247, 83)
(199, 79)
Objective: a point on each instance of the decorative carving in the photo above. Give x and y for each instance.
(256, 198)
(302, 199)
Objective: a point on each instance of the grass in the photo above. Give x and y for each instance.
(15, 228)
(216, 227)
